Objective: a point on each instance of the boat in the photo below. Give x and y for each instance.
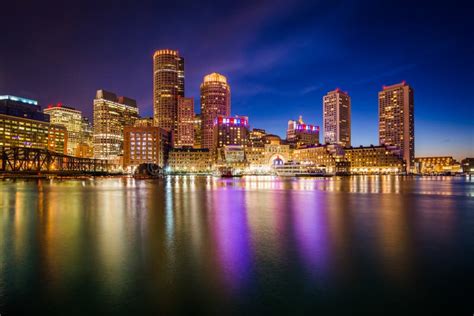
(296, 169)
(227, 172)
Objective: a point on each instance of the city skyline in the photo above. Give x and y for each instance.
(284, 72)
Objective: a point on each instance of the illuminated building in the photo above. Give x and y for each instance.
(85, 148)
(375, 160)
(215, 101)
(197, 126)
(230, 131)
(437, 165)
(185, 130)
(144, 122)
(111, 115)
(257, 137)
(328, 156)
(300, 134)
(22, 124)
(71, 119)
(337, 118)
(145, 144)
(396, 120)
(190, 160)
(467, 165)
(168, 85)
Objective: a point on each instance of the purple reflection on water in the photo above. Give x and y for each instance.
(311, 231)
(230, 227)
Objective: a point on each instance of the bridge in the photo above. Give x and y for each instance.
(21, 160)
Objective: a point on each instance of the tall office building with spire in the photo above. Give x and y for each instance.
(168, 86)
(397, 120)
(337, 118)
(215, 101)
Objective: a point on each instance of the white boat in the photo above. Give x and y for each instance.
(296, 169)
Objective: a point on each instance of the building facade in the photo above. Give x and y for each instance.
(111, 115)
(197, 126)
(22, 124)
(145, 144)
(337, 118)
(437, 165)
(375, 160)
(215, 101)
(397, 121)
(230, 131)
(300, 134)
(168, 86)
(190, 160)
(185, 130)
(71, 119)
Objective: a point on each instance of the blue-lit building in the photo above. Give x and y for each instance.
(22, 107)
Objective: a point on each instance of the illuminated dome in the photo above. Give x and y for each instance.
(215, 77)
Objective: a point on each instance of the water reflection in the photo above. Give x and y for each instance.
(223, 244)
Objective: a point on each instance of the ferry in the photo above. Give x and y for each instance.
(227, 172)
(296, 169)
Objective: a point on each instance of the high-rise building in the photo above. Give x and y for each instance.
(85, 148)
(145, 144)
(215, 101)
(185, 131)
(197, 125)
(230, 131)
(337, 118)
(71, 119)
(22, 124)
(300, 134)
(111, 115)
(396, 120)
(168, 85)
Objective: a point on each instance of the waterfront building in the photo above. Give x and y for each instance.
(189, 160)
(300, 134)
(467, 165)
(381, 159)
(327, 156)
(230, 131)
(85, 147)
(168, 86)
(396, 120)
(337, 118)
(111, 115)
(215, 101)
(197, 126)
(437, 165)
(71, 119)
(22, 124)
(145, 144)
(185, 130)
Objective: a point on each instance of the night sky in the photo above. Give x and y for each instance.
(280, 58)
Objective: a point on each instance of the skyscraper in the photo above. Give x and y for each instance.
(111, 115)
(168, 85)
(337, 118)
(215, 100)
(396, 120)
(185, 131)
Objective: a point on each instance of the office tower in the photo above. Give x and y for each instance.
(396, 120)
(85, 148)
(71, 119)
(215, 101)
(22, 124)
(300, 134)
(168, 85)
(111, 115)
(185, 131)
(230, 131)
(197, 125)
(337, 118)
